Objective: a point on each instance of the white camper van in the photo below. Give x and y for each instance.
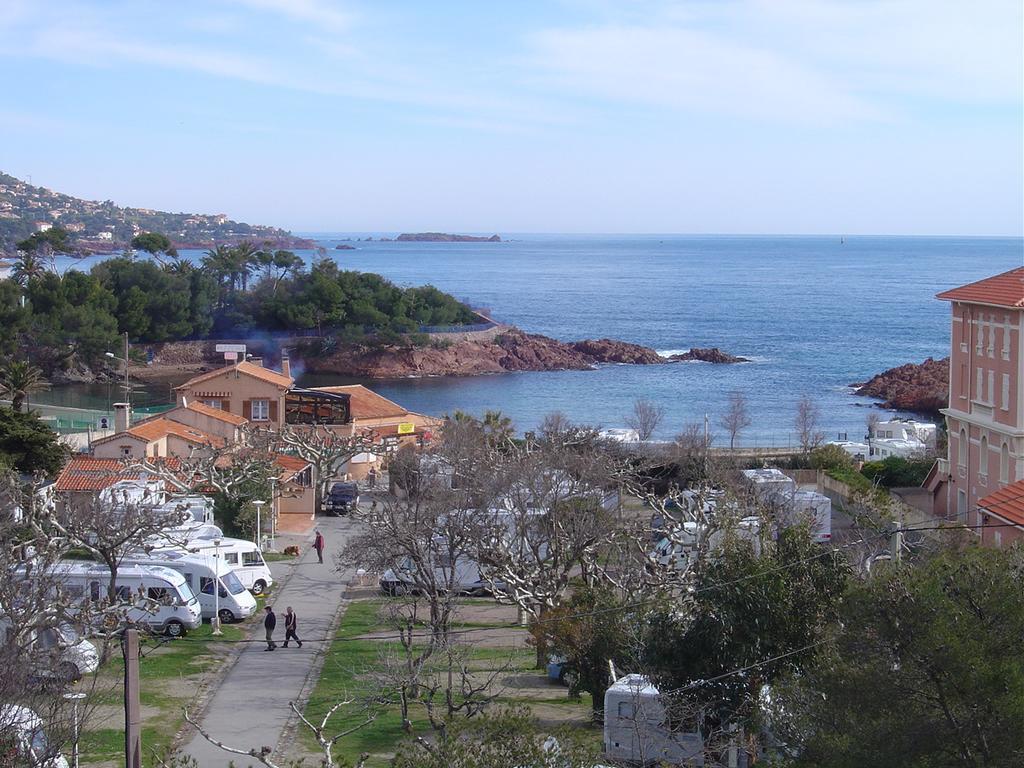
(241, 556)
(160, 597)
(55, 653)
(201, 572)
(768, 481)
(792, 506)
(466, 579)
(23, 740)
(635, 729)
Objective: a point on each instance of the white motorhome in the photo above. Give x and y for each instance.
(905, 429)
(23, 740)
(241, 556)
(768, 481)
(55, 653)
(857, 451)
(201, 572)
(635, 729)
(159, 597)
(791, 506)
(467, 577)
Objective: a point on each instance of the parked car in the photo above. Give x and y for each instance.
(341, 499)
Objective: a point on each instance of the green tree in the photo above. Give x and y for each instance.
(925, 670)
(19, 379)
(29, 445)
(156, 245)
(593, 627)
(757, 612)
(53, 240)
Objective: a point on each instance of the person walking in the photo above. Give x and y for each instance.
(270, 624)
(318, 545)
(291, 622)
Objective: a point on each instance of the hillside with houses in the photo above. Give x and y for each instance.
(103, 226)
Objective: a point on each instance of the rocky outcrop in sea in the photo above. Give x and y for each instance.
(709, 355)
(917, 387)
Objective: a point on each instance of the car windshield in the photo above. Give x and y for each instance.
(186, 594)
(68, 635)
(231, 581)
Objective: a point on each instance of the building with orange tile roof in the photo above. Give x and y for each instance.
(1002, 515)
(985, 415)
(154, 438)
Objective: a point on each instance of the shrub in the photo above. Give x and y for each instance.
(830, 457)
(897, 472)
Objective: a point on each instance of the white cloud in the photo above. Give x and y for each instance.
(316, 12)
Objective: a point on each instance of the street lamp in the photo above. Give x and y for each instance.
(215, 621)
(75, 697)
(112, 356)
(258, 503)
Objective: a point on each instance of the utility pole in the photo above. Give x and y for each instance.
(896, 542)
(132, 713)
(127, 388)
(706, 446)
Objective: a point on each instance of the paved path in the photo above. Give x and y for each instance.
(250, 707)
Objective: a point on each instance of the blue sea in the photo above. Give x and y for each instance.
(814, 314)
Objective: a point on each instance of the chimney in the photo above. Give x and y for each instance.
(122, 417)
(286, 364)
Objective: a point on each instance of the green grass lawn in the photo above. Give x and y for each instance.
(346, 673)
(168, 673)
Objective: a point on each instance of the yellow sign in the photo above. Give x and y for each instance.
(406, 428)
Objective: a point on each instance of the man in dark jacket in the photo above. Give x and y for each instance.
(318, 545)
(291, 623)
(270, 624)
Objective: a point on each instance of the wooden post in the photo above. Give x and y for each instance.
(132, 714)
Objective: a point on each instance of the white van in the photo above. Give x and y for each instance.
(160, 598)
(55, 653)
(23, 740)
(200, 572)
(466, 579)
(636, 731)
(799, 507)
(241, 556)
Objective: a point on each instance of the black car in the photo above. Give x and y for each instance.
(341, 499)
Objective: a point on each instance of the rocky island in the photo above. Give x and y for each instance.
(709, 355)
(442, 237)
(918, 387)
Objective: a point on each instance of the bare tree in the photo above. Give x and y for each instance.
(645, 418)
(327, 450)
(872, 421)
(807, 424)
(549, 525)
(366, 708)
(736, 417)
(110, 525)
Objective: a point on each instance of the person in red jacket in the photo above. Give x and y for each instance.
(318, 545)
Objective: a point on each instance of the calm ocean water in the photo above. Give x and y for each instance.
(813, 313)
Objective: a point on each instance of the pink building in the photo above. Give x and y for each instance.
(985, 417)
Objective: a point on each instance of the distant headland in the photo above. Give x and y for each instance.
(443, 237)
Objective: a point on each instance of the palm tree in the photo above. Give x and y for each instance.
(498, 427)
(245, 261)
(30, 266)
(220, 262)
(19, 379)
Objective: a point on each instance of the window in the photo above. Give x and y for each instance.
(231, 558)
(1006, 392)
(964, 383)
(260, 410)
(983, 458)
(991, 399)
(962, 449)
(206, 586)
(1004, 464)
(1006, 337)
(978, 384)
(992, 336)
(94, 591)
(627, 710)
(252, 557)
(126, 451)
(75, 591)
(160, 594)
(997, 539)
(212, 403)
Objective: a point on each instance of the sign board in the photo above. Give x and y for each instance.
(231, 348)
(406, 428)
(230, 356)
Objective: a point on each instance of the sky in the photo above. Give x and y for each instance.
(603, 116)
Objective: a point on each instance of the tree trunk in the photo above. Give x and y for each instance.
(542, 643)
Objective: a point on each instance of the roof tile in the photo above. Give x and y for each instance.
(1004, 290)
(1007, 503)
(249, 369)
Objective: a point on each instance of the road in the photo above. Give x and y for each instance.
(250, 706)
